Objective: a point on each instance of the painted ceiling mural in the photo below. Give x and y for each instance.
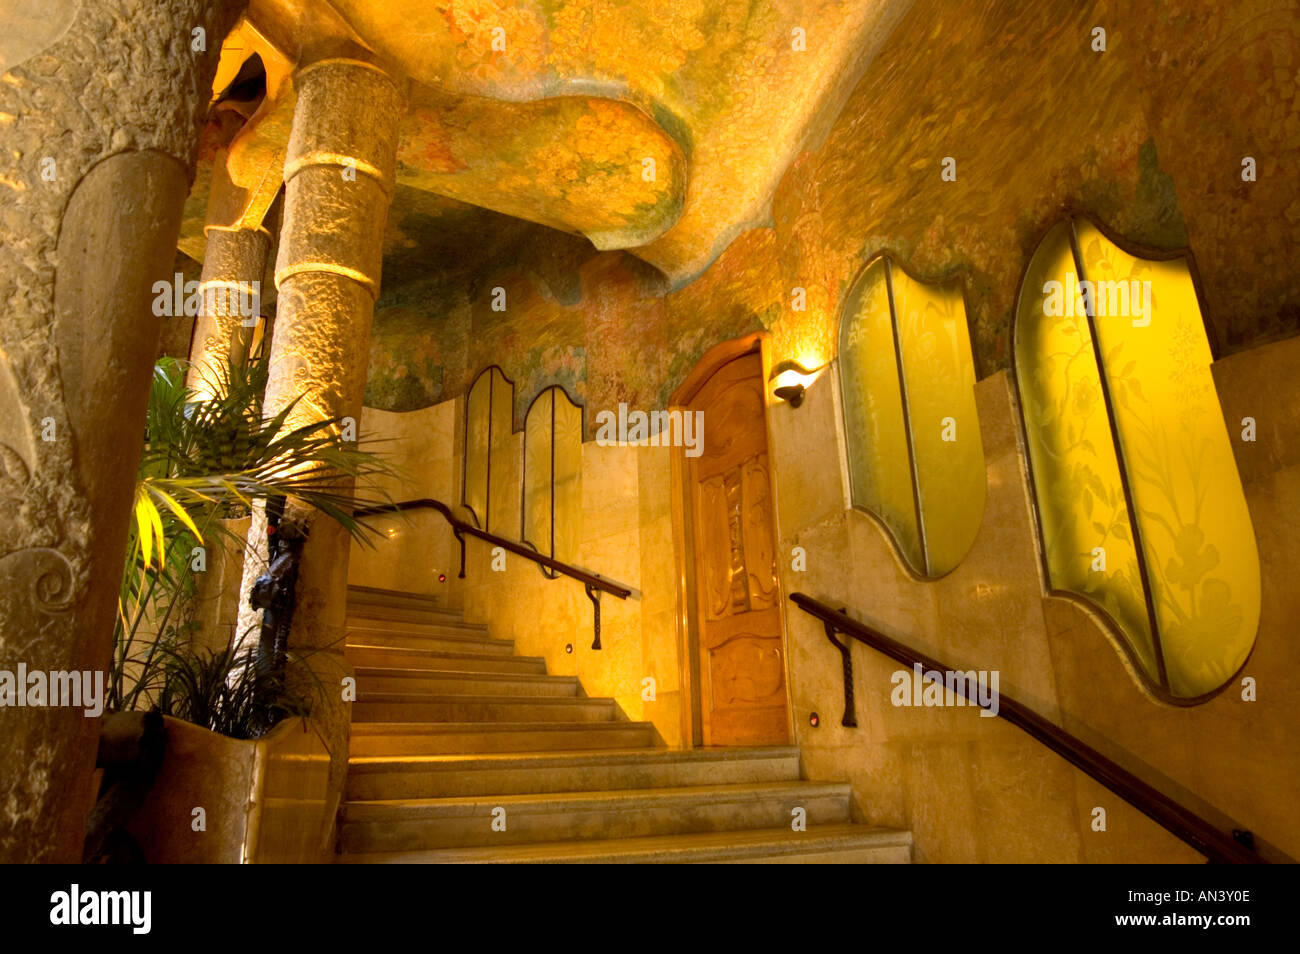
(511, 172)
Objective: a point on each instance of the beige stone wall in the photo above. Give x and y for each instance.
(412, 550)
(972, 789)
(263, 800)
(975, 789)
(626, 536)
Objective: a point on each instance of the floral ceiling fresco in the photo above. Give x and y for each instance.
(662, 127)
(1037, 122)
(1116, 134)
(522, 167)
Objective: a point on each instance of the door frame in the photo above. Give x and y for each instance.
(687, 621)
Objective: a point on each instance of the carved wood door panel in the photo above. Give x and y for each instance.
(741, 643)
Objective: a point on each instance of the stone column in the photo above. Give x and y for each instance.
(93, 177)
(233, 266)
(232, 288)
(339, 174)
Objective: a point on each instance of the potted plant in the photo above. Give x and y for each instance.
(207, 460)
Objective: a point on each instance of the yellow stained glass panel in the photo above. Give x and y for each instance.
(880, 474)
(1195, 528)
(1086, 527)
(568, 478)
(489, 420)
(503, 503)
(477, 417)
(939, 383)
(537, 472)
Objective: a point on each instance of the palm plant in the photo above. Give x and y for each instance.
(235, 692)
(208, 458)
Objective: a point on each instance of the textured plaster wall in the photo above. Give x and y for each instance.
(1147, 136)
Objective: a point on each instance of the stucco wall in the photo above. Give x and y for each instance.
(626, 535)
(974, 789)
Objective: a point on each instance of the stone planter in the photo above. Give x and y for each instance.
(262, 801)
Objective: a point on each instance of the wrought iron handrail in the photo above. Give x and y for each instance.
(1186, 825)
(594, 583)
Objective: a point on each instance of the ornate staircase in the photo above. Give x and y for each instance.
(463, 752)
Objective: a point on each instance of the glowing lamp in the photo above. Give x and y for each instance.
(790, 381)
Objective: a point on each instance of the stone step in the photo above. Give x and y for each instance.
(390, 777)
(399, 647)
(428, 707)
(431, 627)
(823, 844)
(404, 613)
(486, 684)
(452, 738)
(423, 824)
(368, 596)
(380, 661)
(381, 595)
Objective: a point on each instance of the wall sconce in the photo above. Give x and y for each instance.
(792, 380)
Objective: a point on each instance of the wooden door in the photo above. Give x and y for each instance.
(741, 644)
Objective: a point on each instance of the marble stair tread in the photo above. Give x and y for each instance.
(431, 707)
(567, 802)
(379, 594)
(434, 738)
(430, 625)
(450, 682)
(399, 646)
(419, 615)
(426, 823)
(852, 844)
(367, 627)
(437, 660)
(541, 760)
(389, 777)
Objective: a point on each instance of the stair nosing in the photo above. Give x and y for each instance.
(404, 728)
(468, 674)
(462, 761)
(820, 838)
(415, 698)
(631, 799)
(436, 654)
(365, 623)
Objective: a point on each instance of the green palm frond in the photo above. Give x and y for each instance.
(209, 455)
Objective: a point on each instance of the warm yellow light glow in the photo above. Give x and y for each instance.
(791, 376)
(1200, 568)
(916, 458)
(1197, 537)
